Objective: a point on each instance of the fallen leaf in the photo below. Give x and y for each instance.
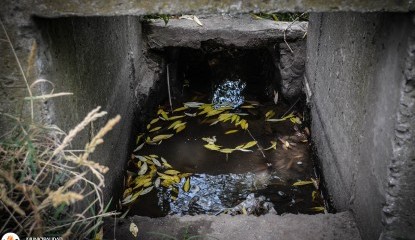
(134, 229)
(171, 172)
(147, 190)
(302, 183)
(231, 131)
(161, 137)
(226, 150)
(139, 138)
(249, 144)
(210, 140)
(275, 97)
(155, 129)
(174, 124)
(176, 117)
(181, 128)
(186, 186)
(180, 109)
(197, 21)
(313, 195)
(143, 169)
(139, 147)
(318, 209)
(157, 183)
(244, 212)
(273, 146)
(212, 147)
(156, 162)
(154, 120)
(193, 104)
(247, 106)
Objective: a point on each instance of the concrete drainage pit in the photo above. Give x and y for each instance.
(236, 138)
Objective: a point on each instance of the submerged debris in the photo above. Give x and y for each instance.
(229, 94)
(253, 206)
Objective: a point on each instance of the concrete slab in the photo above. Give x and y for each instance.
(290, 226)
(241, 31)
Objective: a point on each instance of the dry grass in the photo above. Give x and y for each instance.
(47, 188)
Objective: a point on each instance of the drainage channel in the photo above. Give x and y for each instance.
(226, 146)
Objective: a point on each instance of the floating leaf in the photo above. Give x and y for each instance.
(231, 131)
(171, 172)
(281, 119)
(190, 114)
(152, 156)
(295, 120)
(176, 117)
(163, 114)
(141, 181)
(269, 114)
(193, 104)
(247, 106)
(155, 129)
(212, 147)
(143, 169)
(244, 124)
(139, 138)
(313, 195)
(181, 128)
(210, 140)
(226, 150)
(273, 146)
(249, 144)
(147, 190)
(180, 109)
(157, 183)
(301, 183)
(154, 120)
(166, 177)
(275, 97)
(139, 147)
(186, 186)
(148, 126)
(134, 229)
(162, 137)
(179, 125)
(156, 162)
(174, 124)
(127, 192)
(165, 163)
(318, 209)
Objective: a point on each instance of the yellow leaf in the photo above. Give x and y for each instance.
(183, 175)
(244, 212)
(127, 192)
(153, 156)
(180, 109)
(313, 195)
(186, 186)
(157, 183)
(244, 124)
(165, 163)
(139, 138)
(213, 112)
(318, 209)
(147, 190)
(247, 106)
(181, 128)
(134, 229)
(166, 177)
(224, 117)
(163, 114)
(176, 117)
(273, 146)
(179, 125)
(249, 144)
(301, 183)
(295, 120)
(154, 120)
(210, 140)
(269, 114)
(171, 172)
(141, 181)
(231, 131)
(143, 169)
(155, 129)
(148, 126)
(212, 147)
(161, 137)
(173, 198)
(226, 150)
(174, 124)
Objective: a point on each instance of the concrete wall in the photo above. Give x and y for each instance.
(355, 66)
(100, 60)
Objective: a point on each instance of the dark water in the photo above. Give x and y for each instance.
(221, 181)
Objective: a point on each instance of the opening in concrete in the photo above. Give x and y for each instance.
(215, 118)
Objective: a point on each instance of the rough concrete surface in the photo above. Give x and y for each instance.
(355, 65)
(100, 61)
(339, 226)
(399, 211)
(242, 31)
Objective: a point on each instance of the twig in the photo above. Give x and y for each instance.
(259, 147)
(290, 107)
(285, 30)
(168, 87)
(20, 67)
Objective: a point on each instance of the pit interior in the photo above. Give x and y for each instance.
(279, 168)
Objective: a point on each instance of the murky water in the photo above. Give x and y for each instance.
(220, 180)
